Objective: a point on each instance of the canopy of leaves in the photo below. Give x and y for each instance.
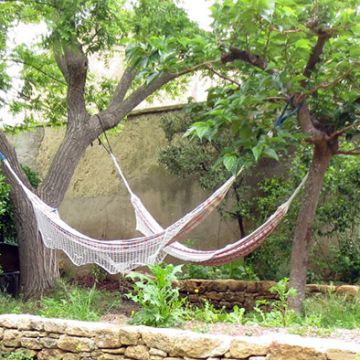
(268, 48)
(153, 36)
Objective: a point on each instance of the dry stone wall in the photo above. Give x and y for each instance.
(228, 293)
(47, 339)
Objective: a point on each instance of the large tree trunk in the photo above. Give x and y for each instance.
(302, 237)
(38, 264)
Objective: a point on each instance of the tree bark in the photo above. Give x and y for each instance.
(38, 265)
(323, 151)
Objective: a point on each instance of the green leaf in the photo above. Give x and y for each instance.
(230, 161)
(271, 153)
(257, 151)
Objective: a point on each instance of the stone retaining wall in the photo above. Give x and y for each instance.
(47, 339)
(227, 293)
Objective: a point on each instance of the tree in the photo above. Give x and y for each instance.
(301, 53)
(161, 44)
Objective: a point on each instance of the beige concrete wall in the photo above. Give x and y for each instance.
(97, 203)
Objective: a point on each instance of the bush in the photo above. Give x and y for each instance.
(236, 270)
(159, 300)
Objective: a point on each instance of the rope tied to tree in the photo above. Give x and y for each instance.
(286, 113)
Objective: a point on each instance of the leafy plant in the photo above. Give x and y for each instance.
(206, 313)
(160, 301)
(280, 315)
(16, 355)
(236, 316)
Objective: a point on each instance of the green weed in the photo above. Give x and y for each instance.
(160, 302)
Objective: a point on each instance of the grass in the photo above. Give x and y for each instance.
(322, 315)
(66, 301)
(334, 311)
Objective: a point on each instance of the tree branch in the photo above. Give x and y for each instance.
(73, 63)
(247, 57)
(123, 86)
(223, 76)
(316, 53)
(37, 69)
(118, 110)
(327, 85)
(351, 152)
(343, 130)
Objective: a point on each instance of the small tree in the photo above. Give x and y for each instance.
(304, 54)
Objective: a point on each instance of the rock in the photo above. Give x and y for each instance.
(180, 343)
(11, 338)
(119, 351)
(75, 344)
(71, 357)
(33, 333)
(129, 335)
(13, 321)
(154, 357)
(241, 349)
(31, 343)
(334, 354)
(138, 352)
(55, 326)
(293, 352)
(48, 343)
(157, 352)
(47, 354)
(109, 357)
(108, 339)
(348, 290)
(1, 333)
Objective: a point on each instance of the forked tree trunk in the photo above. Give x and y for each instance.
(303, 230)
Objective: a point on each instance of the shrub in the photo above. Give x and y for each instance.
(160, 302)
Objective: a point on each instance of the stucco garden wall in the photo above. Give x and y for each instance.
(49, 339)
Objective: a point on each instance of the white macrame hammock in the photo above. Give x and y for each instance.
(115, 256)
(147, 225)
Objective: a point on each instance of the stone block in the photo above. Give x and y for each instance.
(349, 290)
(31, 343)
(13, 321)
(179, 343)
(240, 349)
(50, 354)
(157, 352)
(293, 352)
(33, 333)
(335, 354)
(48, 342)
(75, 344)
(119, 351)
(11, 338)
(138, 352)
(108, 339)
